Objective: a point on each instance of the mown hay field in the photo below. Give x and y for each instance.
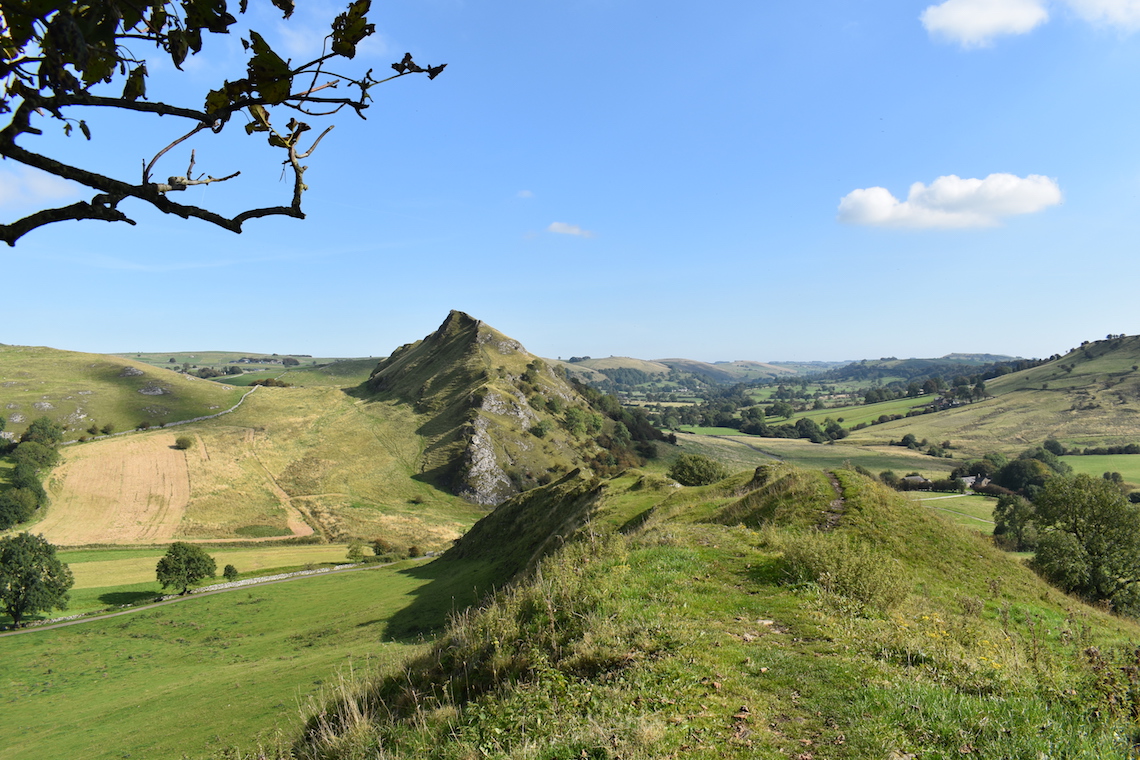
(125, 490)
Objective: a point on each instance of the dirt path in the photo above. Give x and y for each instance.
(836, 507)
(295, 518)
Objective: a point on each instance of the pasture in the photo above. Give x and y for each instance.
(970, 510)
(205, 674)
(1128, 465)
(741, 451)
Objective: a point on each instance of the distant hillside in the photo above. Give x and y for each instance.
(254, 359)
(1088, 397)
(723, 373)
(904, 370)
(499, 420)
(80, 390)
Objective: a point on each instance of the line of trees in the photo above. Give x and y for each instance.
(34, 456)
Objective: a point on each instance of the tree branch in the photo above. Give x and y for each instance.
(10, 233)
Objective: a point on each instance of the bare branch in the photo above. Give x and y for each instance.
(187, 136)
(10, 233)
(181, 183)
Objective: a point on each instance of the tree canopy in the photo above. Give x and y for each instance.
(184, 565)
(63, 61)
(1089, 542)
(32, 578)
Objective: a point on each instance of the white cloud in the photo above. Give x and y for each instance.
(562, 228)
(975, 23)
(951, 202)
(525, 194)
(1119, 13)
(24, 186)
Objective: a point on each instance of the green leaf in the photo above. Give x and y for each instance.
(179, 47)
(216, 100)
(260, 121)
(135, 87)
(86, 130)
(269, 75)
(350, 28)
(285, 6)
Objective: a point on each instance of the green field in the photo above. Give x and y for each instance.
(740, 450)
(970, 511)
(1128, 465)
(864, 413)
(203, 674)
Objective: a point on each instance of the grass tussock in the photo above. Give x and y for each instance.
(850, 574)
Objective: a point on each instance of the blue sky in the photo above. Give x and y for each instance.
(608, 177)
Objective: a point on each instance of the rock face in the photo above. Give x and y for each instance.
(489, 425)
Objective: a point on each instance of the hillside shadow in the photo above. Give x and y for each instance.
(452, 586)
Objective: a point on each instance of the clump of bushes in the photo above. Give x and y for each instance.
(183, 442)
(696, 470)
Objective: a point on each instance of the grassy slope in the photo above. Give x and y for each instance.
(187, 679)
(680, 637)
(1095, 403)
(85, 388)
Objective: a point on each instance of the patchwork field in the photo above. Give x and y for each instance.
(288, 462)
(742, 451)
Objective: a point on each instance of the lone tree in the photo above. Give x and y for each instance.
(184, 564)
(32, 579)
(63, 60)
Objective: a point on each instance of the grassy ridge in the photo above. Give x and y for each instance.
(681, 634)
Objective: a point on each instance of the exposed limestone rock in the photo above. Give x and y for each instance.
(483, 481)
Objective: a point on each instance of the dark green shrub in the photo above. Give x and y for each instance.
(696, 470)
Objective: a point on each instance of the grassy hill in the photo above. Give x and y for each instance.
(494, 416)
(79, 390)
(1088, 397)
(785, 613)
